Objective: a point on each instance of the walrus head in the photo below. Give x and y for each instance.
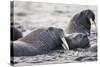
(59, 33)
(56, 36)
(89, 15)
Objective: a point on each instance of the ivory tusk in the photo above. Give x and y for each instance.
(93, 22)
(65, 44)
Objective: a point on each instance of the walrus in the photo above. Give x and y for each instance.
(40, 41)
(79, 29)
(15, 33)
(81, 22)
(77, 40)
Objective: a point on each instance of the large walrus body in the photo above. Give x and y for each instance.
(38, 42)
(79, 28)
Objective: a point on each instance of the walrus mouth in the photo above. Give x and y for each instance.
(65, 44)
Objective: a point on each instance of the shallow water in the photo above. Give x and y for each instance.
(31, 16)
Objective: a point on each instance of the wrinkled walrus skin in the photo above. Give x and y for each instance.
(40, 41)
(80, 23)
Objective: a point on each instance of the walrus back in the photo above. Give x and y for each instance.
(32, 36)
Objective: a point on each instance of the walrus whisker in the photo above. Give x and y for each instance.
(65, 44)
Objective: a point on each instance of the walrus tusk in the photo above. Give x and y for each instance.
(65, 44)
(94, 23)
